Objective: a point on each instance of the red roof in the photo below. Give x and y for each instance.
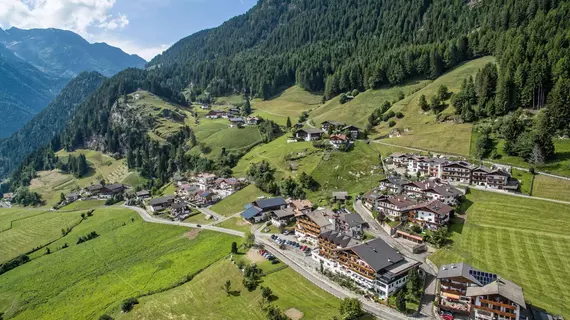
(341, 137)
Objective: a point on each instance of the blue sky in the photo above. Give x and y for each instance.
(143, 27)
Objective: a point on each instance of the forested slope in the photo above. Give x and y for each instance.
(48, 123)
(333, 47)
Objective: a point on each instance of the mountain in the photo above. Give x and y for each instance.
(24, 91)
(332, 47)
(49, 122)
(66, 54)
(36, 64)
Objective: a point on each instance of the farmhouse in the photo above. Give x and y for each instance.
(159, 204)
(179, 210)
(459, 171)
(400, 159)
(215, 114)
(236, 122)
(225, 187)
(394, 207)
(394, 184)
(110, 190)
(94, 190)
(478, 294)
(282, 217)
(309, 134)
(251, 120)
(143, 195)
(334, 125)
(336, 140)
(258, 210)
(373, 265)
(8, 196)
(204, 107)
(353, 131)
(430, 215)
(70, 197)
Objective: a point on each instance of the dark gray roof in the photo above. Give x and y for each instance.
(157, 201)
(114, 186)
(378, 254)
(338, 238)
(320, 217)
(270, 203)
(500, 287)
(236, 119)
(399, 181)
(94, 187)
(311, 130)
(178, 205)
(457, 270)
(352, 219)
(334, 123)
(143, 193)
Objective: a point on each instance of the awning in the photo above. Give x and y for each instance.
(451, 295)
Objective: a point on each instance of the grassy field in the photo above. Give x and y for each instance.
(50, 184)
(25, 230)
(356, 171)
(235, 223)
(551, 188)
(233, 139)
(290, 103)
(503, 233)
(129, 258)
(83, 205)
(306, 157)
(234, 203)
(198, 218)
(525, 179)
(423, 129)
(205, 297)
(357, 111)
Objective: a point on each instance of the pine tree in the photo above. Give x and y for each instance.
(288, 125)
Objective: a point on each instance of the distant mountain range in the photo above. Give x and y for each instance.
(36, 64)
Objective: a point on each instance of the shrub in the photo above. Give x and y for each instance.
(391, 123)
(128, 304)
(399, 115)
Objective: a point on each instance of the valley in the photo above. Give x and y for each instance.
(302, 160)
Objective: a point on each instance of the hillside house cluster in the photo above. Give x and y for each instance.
(455, 171)
(97, 191)
(465, 290)
(339, 133)
(200, 191)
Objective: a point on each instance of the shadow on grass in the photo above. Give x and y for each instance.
(465, 205)
(234, 293)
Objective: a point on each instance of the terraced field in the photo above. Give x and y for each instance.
(128, 259)
(523, 240)
(23, 230)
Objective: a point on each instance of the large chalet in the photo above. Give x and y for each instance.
(479, 295)
(373, 265)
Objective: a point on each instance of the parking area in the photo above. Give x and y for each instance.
(290, 243)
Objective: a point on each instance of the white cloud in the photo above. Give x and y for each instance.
(76, 15)
(94, 20)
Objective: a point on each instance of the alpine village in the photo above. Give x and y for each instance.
(307, 159)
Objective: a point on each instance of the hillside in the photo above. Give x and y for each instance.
(48, 123)
(36, 64)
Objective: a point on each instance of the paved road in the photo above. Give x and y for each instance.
(309, 272)
(207, 211)
(484, 161)
(148, 218)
